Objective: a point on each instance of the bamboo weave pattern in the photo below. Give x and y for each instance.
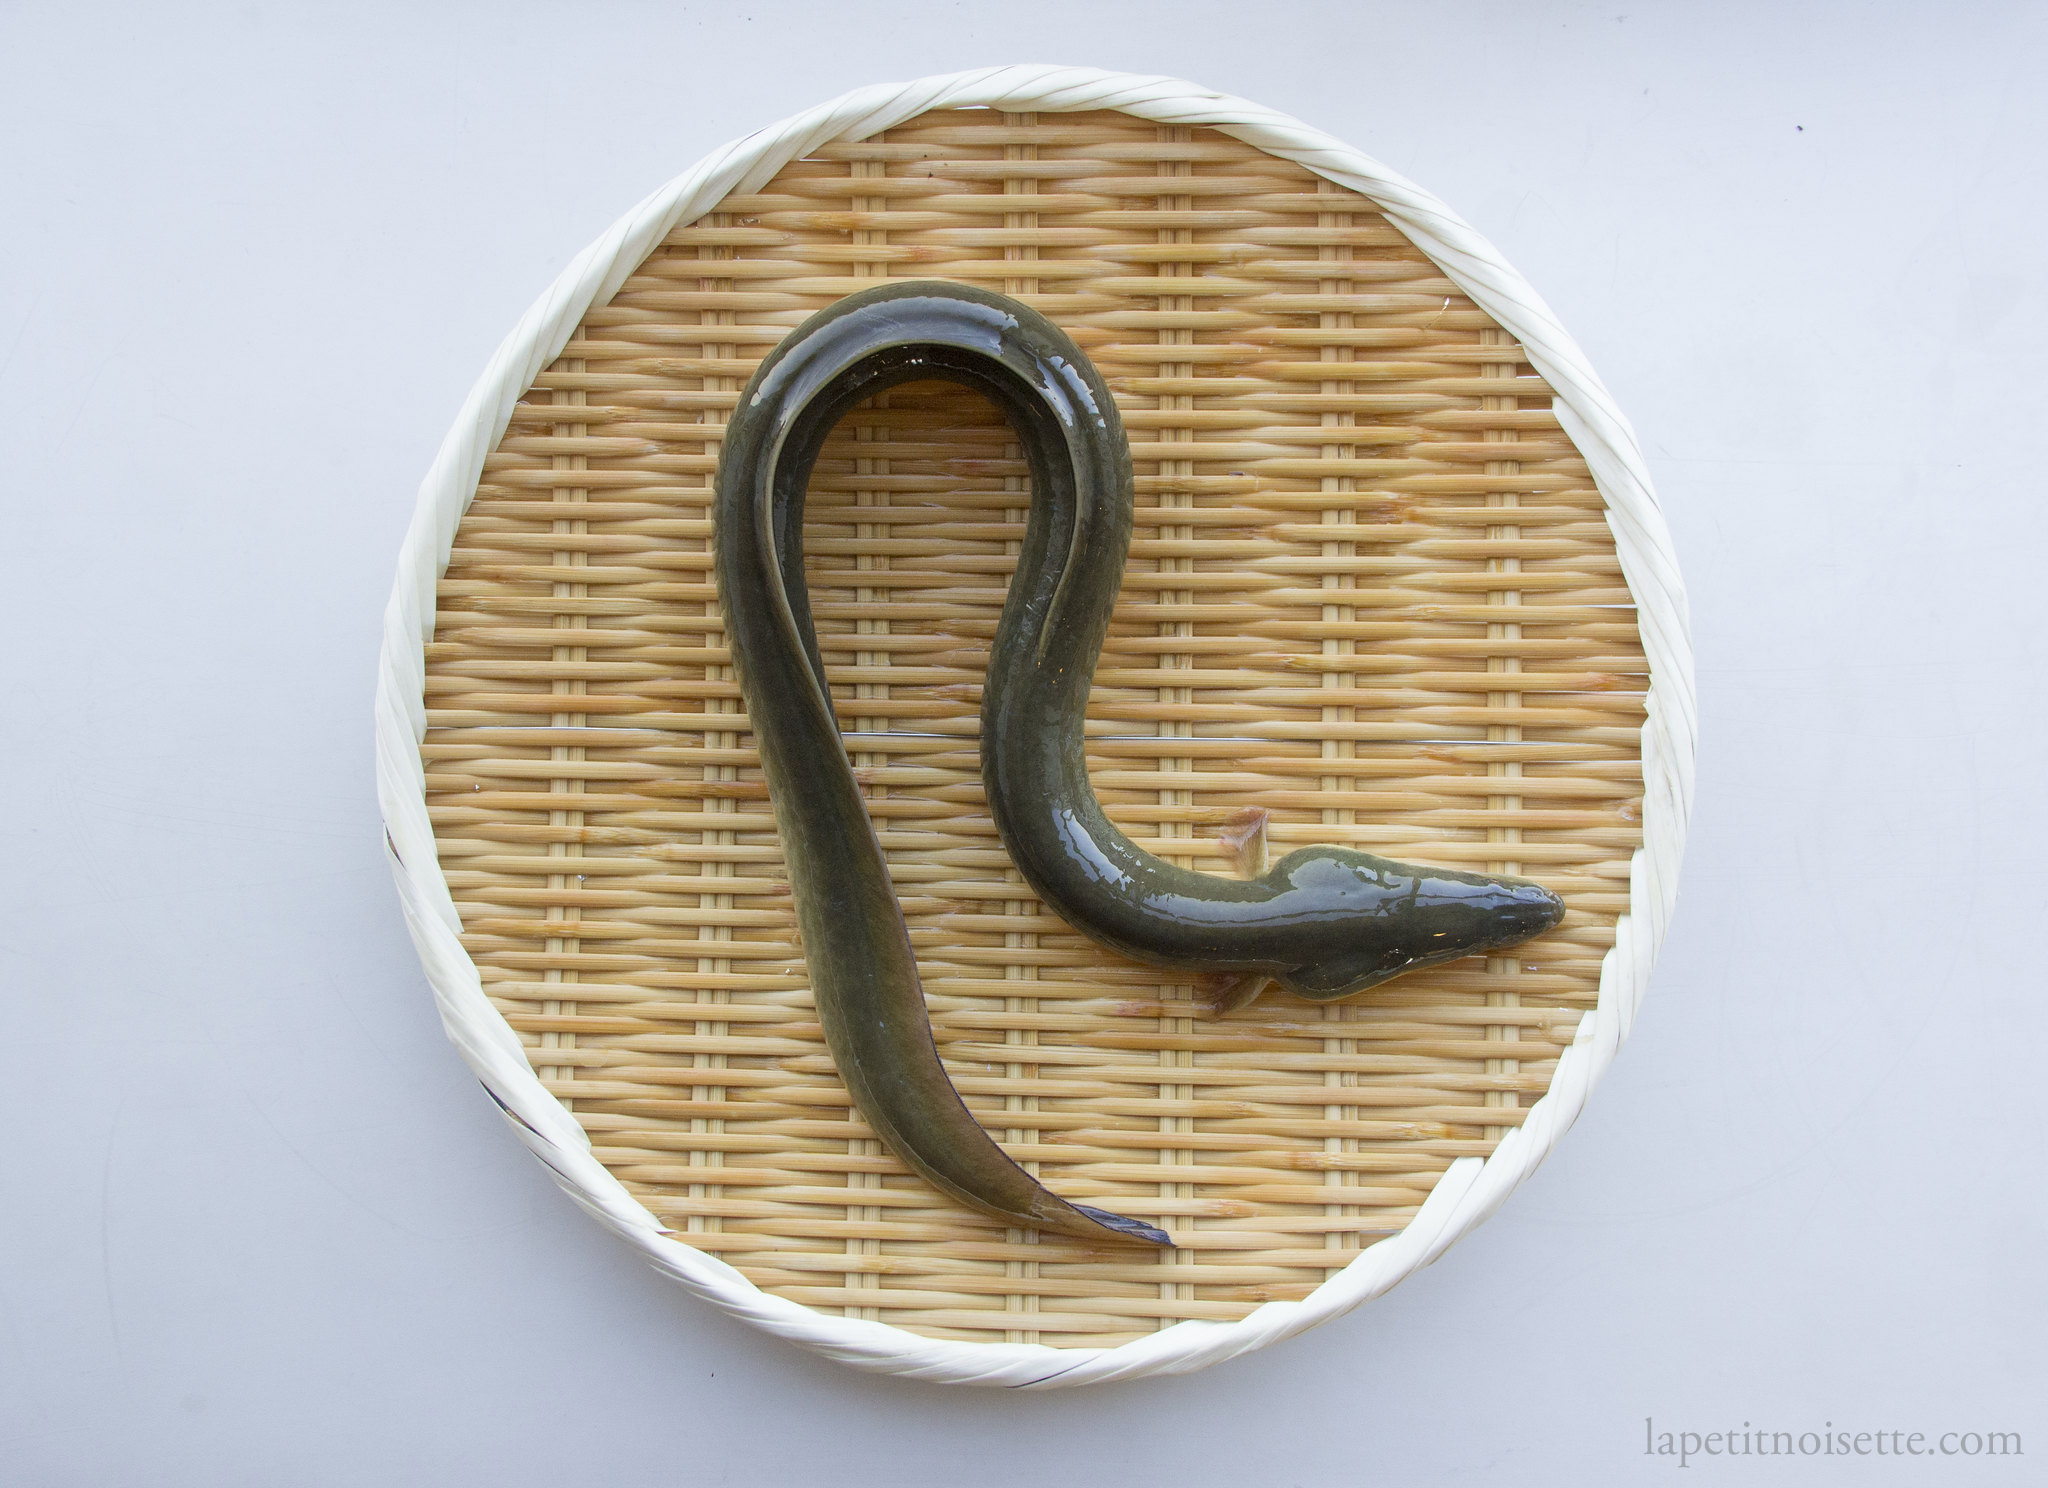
(1372, 592)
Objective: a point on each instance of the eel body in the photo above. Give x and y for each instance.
(1323, 922)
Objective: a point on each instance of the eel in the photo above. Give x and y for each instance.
(1323, 922)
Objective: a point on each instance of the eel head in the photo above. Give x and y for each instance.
(1365, 918)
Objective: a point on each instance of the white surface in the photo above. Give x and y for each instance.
(261, 1227)
(1470, 1190)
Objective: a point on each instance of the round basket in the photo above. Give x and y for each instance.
(1398, 582)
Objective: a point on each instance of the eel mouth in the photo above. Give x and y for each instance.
(1530, 910)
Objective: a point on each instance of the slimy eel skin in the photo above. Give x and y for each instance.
(1323, 922)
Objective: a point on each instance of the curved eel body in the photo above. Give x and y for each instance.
(1324, 922)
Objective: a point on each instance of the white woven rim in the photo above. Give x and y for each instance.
(1472, 1189)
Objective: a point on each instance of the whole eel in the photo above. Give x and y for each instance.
(1324, 922)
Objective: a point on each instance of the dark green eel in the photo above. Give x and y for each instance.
(1323, 922)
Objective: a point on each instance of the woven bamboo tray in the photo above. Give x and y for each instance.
(1374, 598)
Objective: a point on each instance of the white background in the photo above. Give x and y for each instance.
(259, 1226)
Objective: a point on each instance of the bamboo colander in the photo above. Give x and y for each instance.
(1373, 599)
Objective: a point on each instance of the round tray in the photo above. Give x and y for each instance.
(1398, 582)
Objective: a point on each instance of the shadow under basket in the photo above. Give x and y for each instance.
(1374, 598)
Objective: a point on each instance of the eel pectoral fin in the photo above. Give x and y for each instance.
(1234, 994)
(1244, 838)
